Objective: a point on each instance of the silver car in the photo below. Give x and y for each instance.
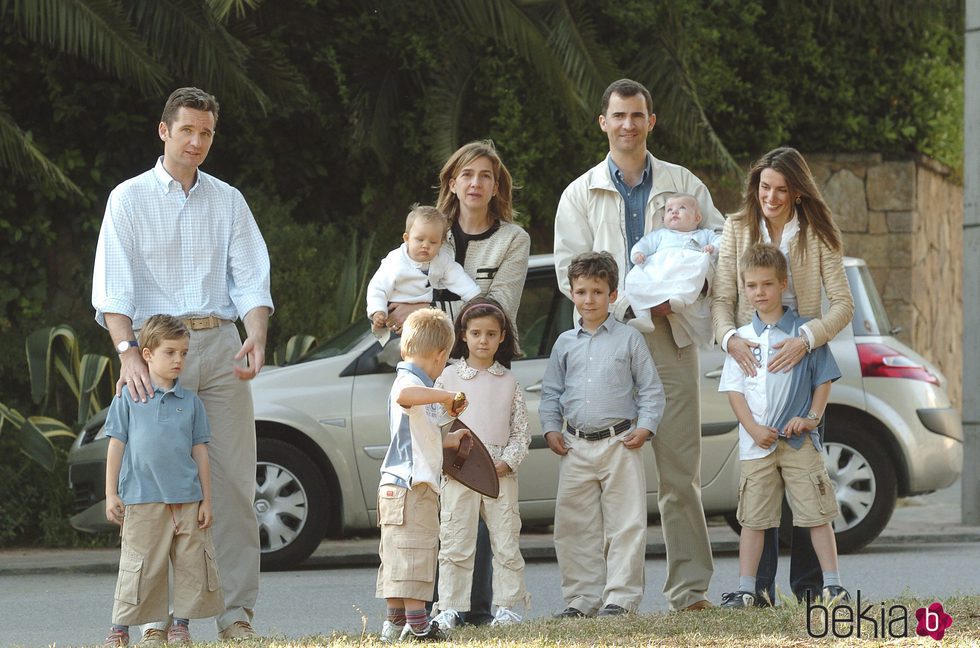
(322, 430)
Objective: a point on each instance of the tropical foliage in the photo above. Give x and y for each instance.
(336, 116)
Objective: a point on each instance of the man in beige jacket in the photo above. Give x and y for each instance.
(610, 207)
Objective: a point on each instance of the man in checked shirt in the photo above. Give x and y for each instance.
(180, 242)
(602, 388)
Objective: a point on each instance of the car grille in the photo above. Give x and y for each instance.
(87, 481)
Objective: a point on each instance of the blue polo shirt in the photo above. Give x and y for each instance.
(157, 465)
(775, 398)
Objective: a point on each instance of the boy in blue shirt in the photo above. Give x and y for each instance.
(779, 438)
(158, 488)
(601, 399)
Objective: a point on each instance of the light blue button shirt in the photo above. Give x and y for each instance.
(157, 465)
(596, 380)
(193, 255)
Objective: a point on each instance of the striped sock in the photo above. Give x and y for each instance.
(419, 621)
(396, 616)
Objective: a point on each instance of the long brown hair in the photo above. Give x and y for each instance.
(486, 307)
(500, 208)
(811, 211)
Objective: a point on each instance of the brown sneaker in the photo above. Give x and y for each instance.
(116, 639)
(153, 636)
(237, 630)
(179, 633)
(698, 606)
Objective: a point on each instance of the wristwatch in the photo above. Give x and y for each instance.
(812, 416)
(126, 345)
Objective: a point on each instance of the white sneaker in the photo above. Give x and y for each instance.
(390, 633)
(642, 324)
(448, 619)
(505, 616)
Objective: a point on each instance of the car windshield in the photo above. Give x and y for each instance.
(338, 344)
(870, 317)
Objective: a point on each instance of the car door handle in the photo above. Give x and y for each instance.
(715, 375)
(535, 388)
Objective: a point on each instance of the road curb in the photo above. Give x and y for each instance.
(369, 558)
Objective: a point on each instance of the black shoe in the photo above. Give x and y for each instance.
(612, 609)
(570, 613)
(762, 600)
(832, 592)
(432, 634)
(739, 599)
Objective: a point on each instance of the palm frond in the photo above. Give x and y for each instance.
(510, 25)
(665, 71)
(445, 99)
(587, 64)
(201, 48)
(223, 8)
(19, 154)
(95, 30)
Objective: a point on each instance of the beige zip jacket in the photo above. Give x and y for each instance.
(591, 217)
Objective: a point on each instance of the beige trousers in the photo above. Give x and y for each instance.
(677, 451)
(461, 509)
(601, 524)
(154, 536)
(409, 521)
(228, 402)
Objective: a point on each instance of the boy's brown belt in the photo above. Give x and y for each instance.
(605, 433)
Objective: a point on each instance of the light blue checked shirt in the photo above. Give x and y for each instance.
(596, 380)
(193, 255)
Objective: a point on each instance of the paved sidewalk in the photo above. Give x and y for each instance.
(934, 517)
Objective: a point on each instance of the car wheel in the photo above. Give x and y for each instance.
(865, 484)
(292, 504)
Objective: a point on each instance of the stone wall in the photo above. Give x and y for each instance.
(905, 219)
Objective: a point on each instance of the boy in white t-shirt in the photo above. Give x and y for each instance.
(779, 441)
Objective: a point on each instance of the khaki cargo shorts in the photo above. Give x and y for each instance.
(803, 476)
(409, 521)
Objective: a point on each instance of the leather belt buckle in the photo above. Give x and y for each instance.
(202, 323)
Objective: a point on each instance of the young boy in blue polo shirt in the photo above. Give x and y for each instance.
(779, 438)
(158, 488)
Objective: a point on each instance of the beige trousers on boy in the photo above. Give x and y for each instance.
(461, 509)
(154, 536)
(601, 524)
(677, 451)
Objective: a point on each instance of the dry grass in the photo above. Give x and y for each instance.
(784, 626)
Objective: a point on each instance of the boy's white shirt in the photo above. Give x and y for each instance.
(753, 388)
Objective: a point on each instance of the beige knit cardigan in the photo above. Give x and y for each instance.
(820, 266)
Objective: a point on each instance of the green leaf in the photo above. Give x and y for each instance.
(19, 154)
(91, 372)
(297, 346)
(53, 346)
(34, 434)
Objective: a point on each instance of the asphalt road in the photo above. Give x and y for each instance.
(73, 609)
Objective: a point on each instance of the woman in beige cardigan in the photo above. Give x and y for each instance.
(783, 206)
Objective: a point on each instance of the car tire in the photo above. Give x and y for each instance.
(292, 504)
(864, 479)
(866, 487)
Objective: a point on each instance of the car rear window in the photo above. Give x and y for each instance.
(870, 317)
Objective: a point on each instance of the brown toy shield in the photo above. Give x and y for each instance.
(472, 464)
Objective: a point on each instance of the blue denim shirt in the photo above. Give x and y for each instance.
(634, 201)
